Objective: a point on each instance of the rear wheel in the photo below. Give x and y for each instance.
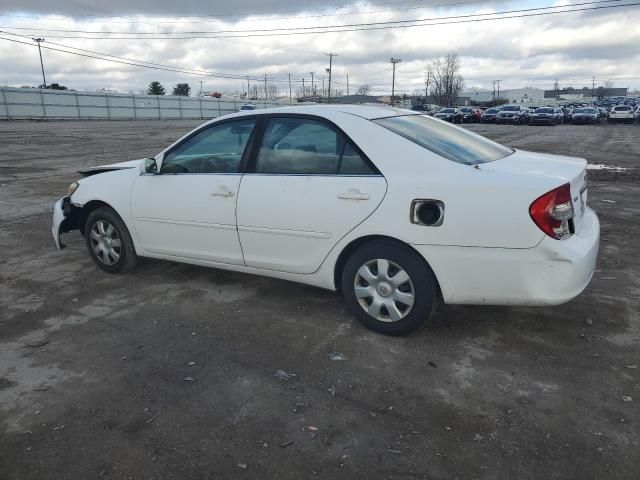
(109, 242)
(389, 288)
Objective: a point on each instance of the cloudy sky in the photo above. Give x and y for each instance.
(239, 38)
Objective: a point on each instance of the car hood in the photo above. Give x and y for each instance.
(109, 167)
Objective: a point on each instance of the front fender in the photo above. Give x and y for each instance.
(112, 188)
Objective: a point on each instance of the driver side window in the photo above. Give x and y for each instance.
(217, 149)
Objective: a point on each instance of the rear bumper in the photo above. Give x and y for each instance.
(583, 121)
(543, 121)
(553, 272)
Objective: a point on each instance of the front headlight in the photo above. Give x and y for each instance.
(72, 188)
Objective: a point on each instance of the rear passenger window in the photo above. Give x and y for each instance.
(307, 147)
(353, 164)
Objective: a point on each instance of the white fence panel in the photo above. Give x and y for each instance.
(30, 103)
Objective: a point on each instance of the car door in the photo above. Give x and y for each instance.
(189, 209)
(307, 187)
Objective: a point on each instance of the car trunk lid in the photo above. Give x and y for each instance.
(549, 171)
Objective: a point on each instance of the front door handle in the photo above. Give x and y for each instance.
(353, 194)
(223, 192)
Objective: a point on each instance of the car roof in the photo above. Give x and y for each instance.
(369, 112)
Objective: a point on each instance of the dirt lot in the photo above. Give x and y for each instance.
(95, 369)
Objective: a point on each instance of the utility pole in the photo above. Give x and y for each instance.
(498, 83)
(313, 89)
(393, 81)
(593, 86)
(494, 93)
(331, 55)
(324, 92)
(347, 84)
(290, 97)
(265, 90)
(303, 92)
(200, 87)
(38, 41)
(247, 88)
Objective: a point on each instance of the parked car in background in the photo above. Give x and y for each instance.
(247, 106)
(585, 115)
(546, 116)
(621, 114)
(489, 115)
(515, 114)
(470, 114)
(449, 114)
(428, 108)
(637, 114)
(316, 195)
(602, 113)
(566, 113)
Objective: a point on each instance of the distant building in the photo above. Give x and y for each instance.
(419, 100)
(586, 92)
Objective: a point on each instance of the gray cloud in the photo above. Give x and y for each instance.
(530, 51)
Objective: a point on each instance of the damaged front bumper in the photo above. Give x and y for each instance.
(65, 219)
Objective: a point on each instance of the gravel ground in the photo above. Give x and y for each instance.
(169, 372)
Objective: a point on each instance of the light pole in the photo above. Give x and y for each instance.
(393, 80)
(38, 40)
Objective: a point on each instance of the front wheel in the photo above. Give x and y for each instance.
(389, 288)
(109, 242)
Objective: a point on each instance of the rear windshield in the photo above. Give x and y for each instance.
(510, 109)
(451, 142)
(492, 110)
(447, 110)
(622, 109)
(545, 110)
(585, 110)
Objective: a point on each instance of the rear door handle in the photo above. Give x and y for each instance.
(354, 194)
(223, 192)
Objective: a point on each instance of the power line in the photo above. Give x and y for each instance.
(137, 63)
(353, 26)
(266, 19)
(247, 14)
(475, 20)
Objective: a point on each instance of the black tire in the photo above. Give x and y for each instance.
(127, 258)
(422, 281)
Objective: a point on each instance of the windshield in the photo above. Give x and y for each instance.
(544, 110)
(451, 142)
(447, 110)
(510, 109)
(584, 110)
(466, 109)
(492, 110)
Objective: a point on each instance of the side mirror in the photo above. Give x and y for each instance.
(149, 166)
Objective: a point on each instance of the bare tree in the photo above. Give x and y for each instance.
(253, 92)
(609, 84)
(364, 89)
(446, 83)
(272, 91)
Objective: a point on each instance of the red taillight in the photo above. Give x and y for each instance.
(553, 212)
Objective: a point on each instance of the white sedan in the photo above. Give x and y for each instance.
(398, 210)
